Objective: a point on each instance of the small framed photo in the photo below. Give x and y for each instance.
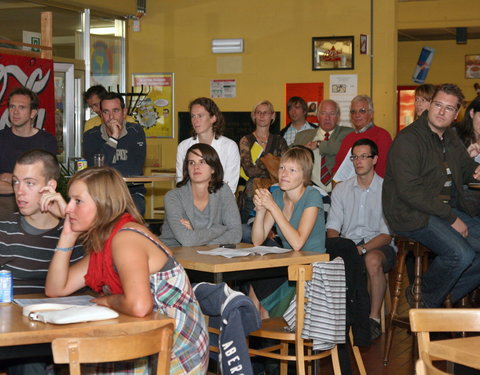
(472, 66)
(333, 53)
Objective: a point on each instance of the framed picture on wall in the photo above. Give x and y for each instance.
(472, 66)
(332, 53)
(154, 107)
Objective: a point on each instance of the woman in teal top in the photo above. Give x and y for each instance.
(296, 210)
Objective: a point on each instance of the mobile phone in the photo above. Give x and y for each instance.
(229, 245)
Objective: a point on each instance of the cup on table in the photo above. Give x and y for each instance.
(98, 160)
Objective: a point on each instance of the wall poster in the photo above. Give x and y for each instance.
(153, 103)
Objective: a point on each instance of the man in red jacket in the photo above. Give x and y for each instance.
(361, 115)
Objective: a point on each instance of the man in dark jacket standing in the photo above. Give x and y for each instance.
(424, 198)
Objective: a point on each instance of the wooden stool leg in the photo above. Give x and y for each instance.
(419, 253)
(396, 298)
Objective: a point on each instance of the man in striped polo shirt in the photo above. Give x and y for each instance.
(28, 237)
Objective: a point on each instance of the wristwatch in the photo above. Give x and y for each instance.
(364, 250)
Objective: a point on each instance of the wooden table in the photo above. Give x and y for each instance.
(15, 329)
(161, 177)
(216, 268)
(464, 351)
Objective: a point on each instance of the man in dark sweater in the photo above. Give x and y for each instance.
(20, 137)
(122, 144)
(424, 198)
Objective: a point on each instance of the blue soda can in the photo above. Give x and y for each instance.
(423, 65)
(6, 286)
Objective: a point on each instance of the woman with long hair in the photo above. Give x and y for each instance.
(207, 127)
(131, 269)
(202, 209)
(469, 129)
(255, 145)
(296, 210)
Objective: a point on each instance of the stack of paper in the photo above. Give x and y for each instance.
(233, 253)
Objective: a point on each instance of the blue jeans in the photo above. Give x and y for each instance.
(456, 268)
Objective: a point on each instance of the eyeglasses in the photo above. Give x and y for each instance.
(419, 99)
(327, 113)
(361, 157)
(361, 111)
(447, 108)
(260, 114)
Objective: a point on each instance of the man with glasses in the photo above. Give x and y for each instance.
(424, 198)
(324, 142)
(356, 214)
(361, 115)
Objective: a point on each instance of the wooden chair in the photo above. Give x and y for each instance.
(75, 351)
(425, 367)
(424, 321)
(273, 328)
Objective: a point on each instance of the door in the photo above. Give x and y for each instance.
(69, 112)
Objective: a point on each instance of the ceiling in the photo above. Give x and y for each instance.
(66, 22)
(447, 33)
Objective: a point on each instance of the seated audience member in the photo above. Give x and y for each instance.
(296, 210)
(202, 209)
(356, 213)
(121, 142)
(134, 271)
(28, 238)
(255, 145)
(324, 142)
(423, 199)
(92, 97)
(361, 115)
(423, 98)
(208, 124)
(469, 129)
(20, 137)
(297, 111)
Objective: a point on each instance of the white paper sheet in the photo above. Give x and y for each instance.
(233, 253)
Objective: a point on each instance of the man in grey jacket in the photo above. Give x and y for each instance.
(424, 198)
(324, 141)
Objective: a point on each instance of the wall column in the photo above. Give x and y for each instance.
(384, 60)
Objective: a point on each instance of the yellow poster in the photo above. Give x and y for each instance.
(154, 103)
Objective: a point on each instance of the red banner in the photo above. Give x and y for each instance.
(34, 74)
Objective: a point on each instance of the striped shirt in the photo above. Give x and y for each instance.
(27, 251)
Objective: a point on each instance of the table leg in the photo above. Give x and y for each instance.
(218, 277)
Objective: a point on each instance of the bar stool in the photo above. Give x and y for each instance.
(420, 252)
